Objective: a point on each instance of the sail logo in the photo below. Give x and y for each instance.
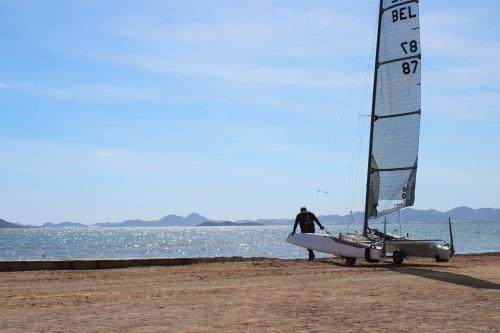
(404, 195)
(402, 13)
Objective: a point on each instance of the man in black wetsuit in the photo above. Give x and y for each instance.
(306, 220)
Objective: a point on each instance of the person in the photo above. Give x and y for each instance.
(306, 220)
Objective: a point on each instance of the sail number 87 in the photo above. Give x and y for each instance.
(409, 67)
(409, 46)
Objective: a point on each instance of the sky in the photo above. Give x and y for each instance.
(112, 110)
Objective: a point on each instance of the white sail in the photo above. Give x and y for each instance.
(396, 113)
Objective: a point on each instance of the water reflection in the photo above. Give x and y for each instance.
(266, 241)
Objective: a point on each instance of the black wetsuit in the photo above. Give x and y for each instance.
(306, 221)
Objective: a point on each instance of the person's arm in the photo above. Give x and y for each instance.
(295, 225)
(315, 219)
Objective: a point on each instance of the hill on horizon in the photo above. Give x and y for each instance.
(6, 224)
(458, 214)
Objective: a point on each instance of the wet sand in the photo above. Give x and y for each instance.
(263, 295)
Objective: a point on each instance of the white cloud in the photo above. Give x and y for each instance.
(5, 85)
(257, 43)
(241, 73)
(116, 92)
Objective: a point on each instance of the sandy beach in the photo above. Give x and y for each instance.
(262, 295)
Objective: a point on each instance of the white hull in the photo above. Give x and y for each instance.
(341, 247)
(418, 248)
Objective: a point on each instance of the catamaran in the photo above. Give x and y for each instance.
(393, 145)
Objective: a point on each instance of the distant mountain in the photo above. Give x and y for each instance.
(227, 224)
(5, 224)
(167, 221)
(127, 223)
(481, 214)
(407, 215)
(63, 225)
(175, 220)
(269, 221)
(458, 214)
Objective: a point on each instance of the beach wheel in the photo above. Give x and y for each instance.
(398, 257)
(439, 259)
(349, 261)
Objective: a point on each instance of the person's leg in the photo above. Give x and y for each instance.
(311, 254)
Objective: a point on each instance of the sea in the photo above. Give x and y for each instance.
(181, 242)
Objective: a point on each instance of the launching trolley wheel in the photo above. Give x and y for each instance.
(439, 259)
(349, 261)
(398, 257)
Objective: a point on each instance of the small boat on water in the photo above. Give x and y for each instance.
(393, 145)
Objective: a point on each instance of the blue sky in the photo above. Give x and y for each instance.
(234, 109)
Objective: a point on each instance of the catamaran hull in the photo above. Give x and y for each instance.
(417, 248)
(335, 246)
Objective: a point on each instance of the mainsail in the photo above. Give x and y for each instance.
(395, 121)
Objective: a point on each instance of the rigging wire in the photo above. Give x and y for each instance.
(342, 116)
(330, 153)
(356, 156)
(358, 170)
(355, 164)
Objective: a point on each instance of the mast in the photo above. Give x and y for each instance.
(372, 118)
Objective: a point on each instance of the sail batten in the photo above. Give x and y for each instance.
(396, 110)
(390, 4)
(418, 56)
(398, 115)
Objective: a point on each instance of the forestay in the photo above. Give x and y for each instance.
(396, 113)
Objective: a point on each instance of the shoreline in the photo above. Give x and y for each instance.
(90, 264)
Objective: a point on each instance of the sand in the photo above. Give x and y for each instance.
(264, 295)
